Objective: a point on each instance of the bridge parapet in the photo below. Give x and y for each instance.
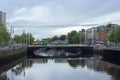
(82, 49)
(70, 45)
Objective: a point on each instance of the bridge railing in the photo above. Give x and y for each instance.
(58, 45)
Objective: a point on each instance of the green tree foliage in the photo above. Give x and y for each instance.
(82, 38)
(4, 35)
(47, 39)
(114, 35)
(24, 38)
(55, 38)
(111, 36)
(73, 37)
(30, 38)
(62, 37)
(17, 39)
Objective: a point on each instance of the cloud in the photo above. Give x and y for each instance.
(104, 19)
(36, 14)
(69, 29)
(35, 17)
(100, 20)
(45, 14)
(60, 17)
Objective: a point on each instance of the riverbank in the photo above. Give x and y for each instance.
(109, 54)
(9, 55)
(7, 66)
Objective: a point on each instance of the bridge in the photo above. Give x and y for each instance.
(72, 48)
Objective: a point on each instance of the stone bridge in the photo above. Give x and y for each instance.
(76, 48)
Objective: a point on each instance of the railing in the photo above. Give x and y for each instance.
(58, 45)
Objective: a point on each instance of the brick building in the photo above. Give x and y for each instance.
(98, 35)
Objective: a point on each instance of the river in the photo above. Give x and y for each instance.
(82, 68)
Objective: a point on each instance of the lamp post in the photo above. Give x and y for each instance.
(11, 32)
(92, 35)
(26, 39)
(29, 39)
(114, 36)
(85, 37)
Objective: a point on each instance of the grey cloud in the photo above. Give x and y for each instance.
(61, 13)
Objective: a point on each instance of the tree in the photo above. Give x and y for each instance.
(82, 38)
(4, 35)
(114, 35)
(30, 38)
(62, 37)
(55, 38)
(17, 39)
(73, 37)
(25, 38)
(111, 36)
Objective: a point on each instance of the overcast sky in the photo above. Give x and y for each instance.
(45, 18)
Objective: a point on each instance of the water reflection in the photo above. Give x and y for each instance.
(76, 63)
(92, 68)
(3, 76)
(114, 72)
(44, 52)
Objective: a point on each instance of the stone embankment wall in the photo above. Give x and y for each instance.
(9, 55)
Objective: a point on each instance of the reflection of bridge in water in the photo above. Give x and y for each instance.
(76, 49)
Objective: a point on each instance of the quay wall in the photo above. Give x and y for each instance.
(109, 54)
(9, 55)
(112, 55)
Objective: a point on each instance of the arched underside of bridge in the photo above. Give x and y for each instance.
(79, 51)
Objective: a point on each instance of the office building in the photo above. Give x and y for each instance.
(2, 18)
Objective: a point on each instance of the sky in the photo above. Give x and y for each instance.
(46, 18)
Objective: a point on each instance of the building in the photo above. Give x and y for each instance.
(2, 18)
(99, 34)
(96, 35)
(110, 27)
(90, 36)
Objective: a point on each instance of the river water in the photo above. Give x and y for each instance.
(83, 68)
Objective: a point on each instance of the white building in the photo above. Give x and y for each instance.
(90, 36)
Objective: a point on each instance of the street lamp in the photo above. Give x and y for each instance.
(11, 32)
(92, 35)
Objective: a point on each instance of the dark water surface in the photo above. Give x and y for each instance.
(91, 68)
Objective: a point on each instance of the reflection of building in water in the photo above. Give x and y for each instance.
(3, 76)
(89, 63)
(97, 64)
(60, 60)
